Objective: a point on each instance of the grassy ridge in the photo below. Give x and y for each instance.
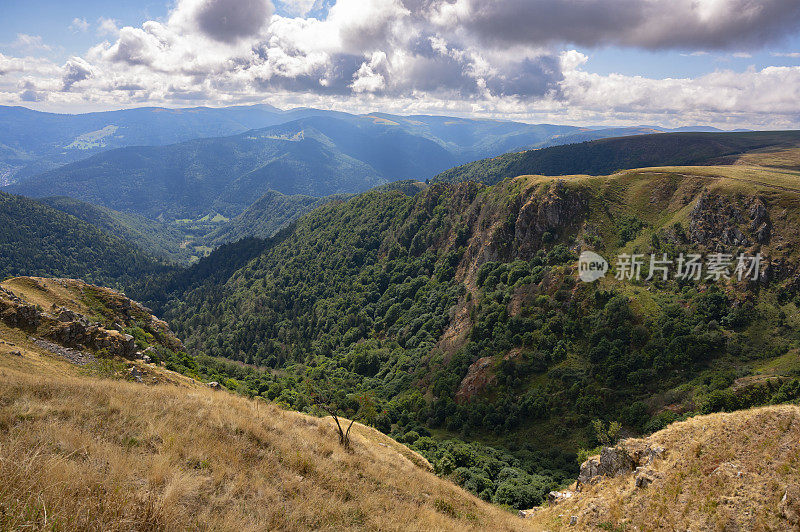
(736, 470)
(606, 156)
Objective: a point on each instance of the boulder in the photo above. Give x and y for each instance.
(128, 345)
(555, 497)
(644, 477)
(615, 461)
(589, 472)
(214, 385)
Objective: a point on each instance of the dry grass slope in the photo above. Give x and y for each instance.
(79, 453)
(737, 471)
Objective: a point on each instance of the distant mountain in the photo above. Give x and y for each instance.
(606, 156)
(32, 141)
(36, 239)
(192, 179)
(469, 139)
(314, 156)
(606, 132)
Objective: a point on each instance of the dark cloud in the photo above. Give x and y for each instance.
(75, 70)
(30, 93)
(232, 20)
(131, 48)
(664, 24)
(530, 77)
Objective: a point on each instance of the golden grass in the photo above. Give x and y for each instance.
(80, 453)
(43, 292)
(721, 472)
(780, 158)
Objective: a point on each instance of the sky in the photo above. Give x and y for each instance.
(726, 63)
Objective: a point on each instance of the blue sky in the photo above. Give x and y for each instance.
(732, 63)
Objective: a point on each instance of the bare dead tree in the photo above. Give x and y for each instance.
(327, 402)
(333, 410)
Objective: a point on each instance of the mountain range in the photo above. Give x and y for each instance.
(447, 315)
(33, 142)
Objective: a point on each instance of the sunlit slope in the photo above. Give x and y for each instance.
(87, 448)
(606, 156)
(737, 471)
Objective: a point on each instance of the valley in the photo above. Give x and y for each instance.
(400, 265)
(446, 317)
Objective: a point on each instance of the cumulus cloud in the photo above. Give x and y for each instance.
(223, 20)
(79, 25)
(30, 93)
(487, 57)
(75, 70)
(653, 24)
(772, 92)
(10, 64)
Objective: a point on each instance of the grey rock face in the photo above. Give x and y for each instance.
(719, 223)
(553, 212)
(615, 461)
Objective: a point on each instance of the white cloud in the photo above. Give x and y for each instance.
(79, 25)
(742, 55)
(765, 96)
(11, 64)
(369, 78)
(107, 27)
(490, 58)
(29, 42)
(786, 54)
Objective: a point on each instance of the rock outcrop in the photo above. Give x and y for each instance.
(719, 223)
(74, 330)
(478, 377)
(553, 212)
(620, 460)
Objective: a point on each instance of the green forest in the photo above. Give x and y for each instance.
(357, 296)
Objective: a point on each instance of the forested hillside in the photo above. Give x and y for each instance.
(459, 311)
(156, 238)
(38, 240)
(194, 179)
(606, 156)
(269, 214)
